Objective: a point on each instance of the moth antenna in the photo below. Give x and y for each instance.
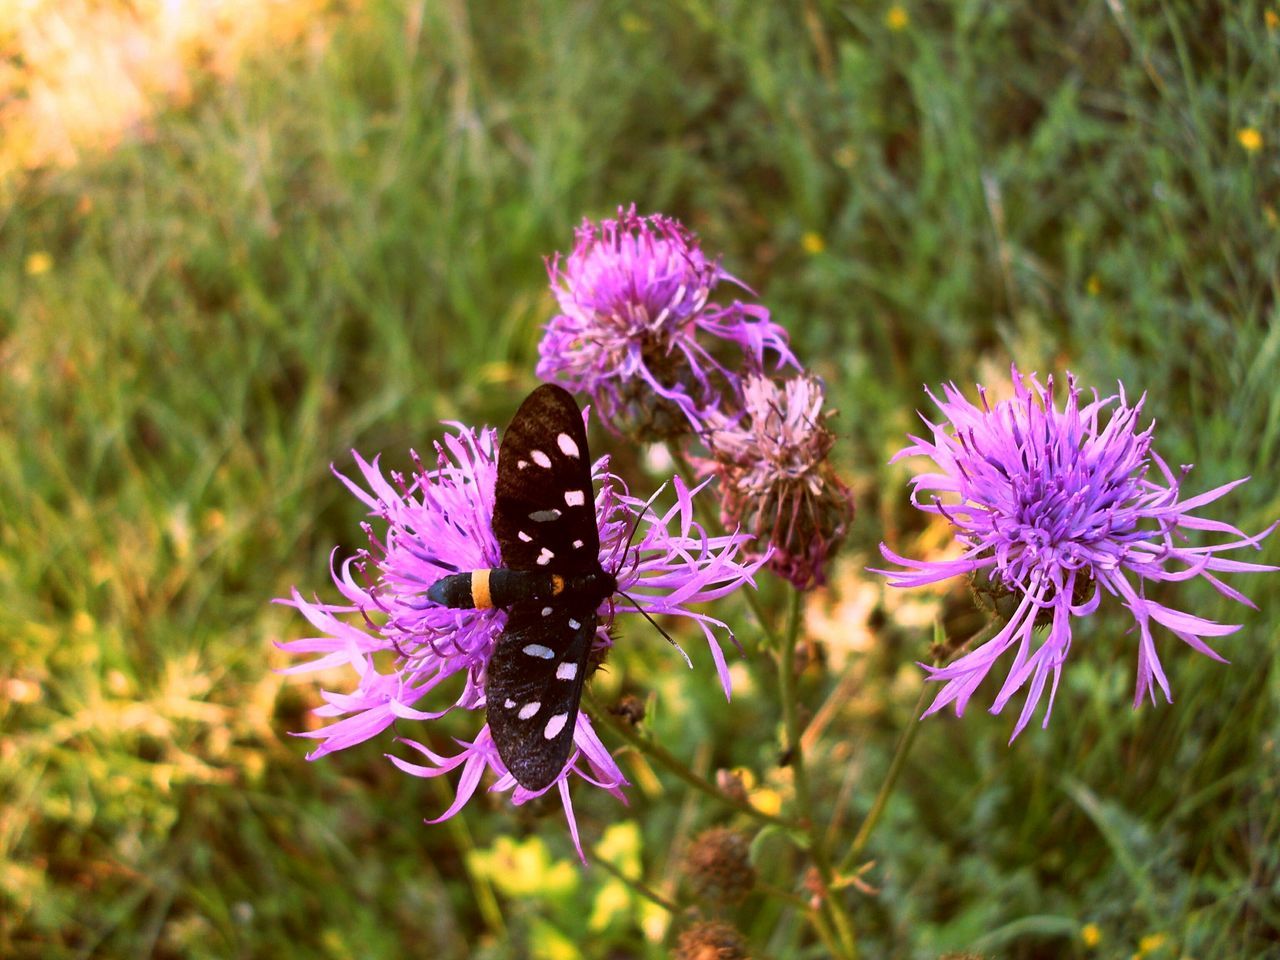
(636, 526)
(658, 627)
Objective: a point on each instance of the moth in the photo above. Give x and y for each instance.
(551, 584)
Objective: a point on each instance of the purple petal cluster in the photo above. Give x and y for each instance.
(402, 647)
(634, 295)
(1057, 508)
(770, 455)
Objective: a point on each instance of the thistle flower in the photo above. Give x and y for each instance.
(634, 294)
(776, 481)
(439, 520)
(1057, 508)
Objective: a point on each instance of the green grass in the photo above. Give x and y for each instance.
(340, 250)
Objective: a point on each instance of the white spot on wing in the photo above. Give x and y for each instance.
(573, 624)
(529, 709)
(524, 537)
(509, 703)
(521, 464)
(574, 498)
(555, 725)
(546, 611)
(544, 557)
(540, 458)
(577, 544)
(545, 516)
(566, 671)
(567, 446)
(539, 651)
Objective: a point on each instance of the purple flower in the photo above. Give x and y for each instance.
(1054, 508)
(775, 479)
(633, 295)
(434, 522)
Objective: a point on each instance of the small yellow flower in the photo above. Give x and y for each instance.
(1250, 139)
(38, 263)
(813, 242)
(1090, 935)
(1093, 286)
(634, 24)
(896, 18)
(1272, 19)
(845, 157)
(1150, 943)
(767, 800)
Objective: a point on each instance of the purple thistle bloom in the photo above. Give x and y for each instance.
(437, 521)
(633, 296)
(1054, 508)
(775, 479)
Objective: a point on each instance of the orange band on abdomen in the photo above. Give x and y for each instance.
(480, 589)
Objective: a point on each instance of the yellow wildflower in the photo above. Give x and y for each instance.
(38, 263)
(896, 18)
(633, 23)
(1250, 139)
(1150, 943)
(813, 242)
(1090, 935)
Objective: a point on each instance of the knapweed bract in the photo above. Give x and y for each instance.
(402, 646)
(769, 449)
(1062, 509)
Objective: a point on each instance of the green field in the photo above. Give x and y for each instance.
(343, 246)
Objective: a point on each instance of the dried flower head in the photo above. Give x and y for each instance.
(1057, 508)
(634, 294)
(711, 940)
(776, 481)
(439, 520)
(718, 865)
(629, 709)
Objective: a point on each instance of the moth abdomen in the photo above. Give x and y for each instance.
(496, 587)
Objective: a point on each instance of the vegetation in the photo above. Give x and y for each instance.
(342, 246)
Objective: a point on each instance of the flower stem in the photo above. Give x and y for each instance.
(486, 899)
(665, 758)
(638, 886)
(905, 740)
(795, 751)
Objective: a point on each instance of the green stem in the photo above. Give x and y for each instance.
(486, 899)
(824, 931)
(786, 896)
(665, 758)
(638, 886)
(753, 601)
(907, 737)
(899, 760)
(795, 751)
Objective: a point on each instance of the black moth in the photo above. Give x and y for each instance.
(550, 582)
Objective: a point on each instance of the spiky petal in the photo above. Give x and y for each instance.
(1060, 508)
(438, 521)
(634, 295)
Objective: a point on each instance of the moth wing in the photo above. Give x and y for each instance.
(544, 514)
(533, 689)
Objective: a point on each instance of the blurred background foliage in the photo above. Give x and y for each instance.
(238, 240)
